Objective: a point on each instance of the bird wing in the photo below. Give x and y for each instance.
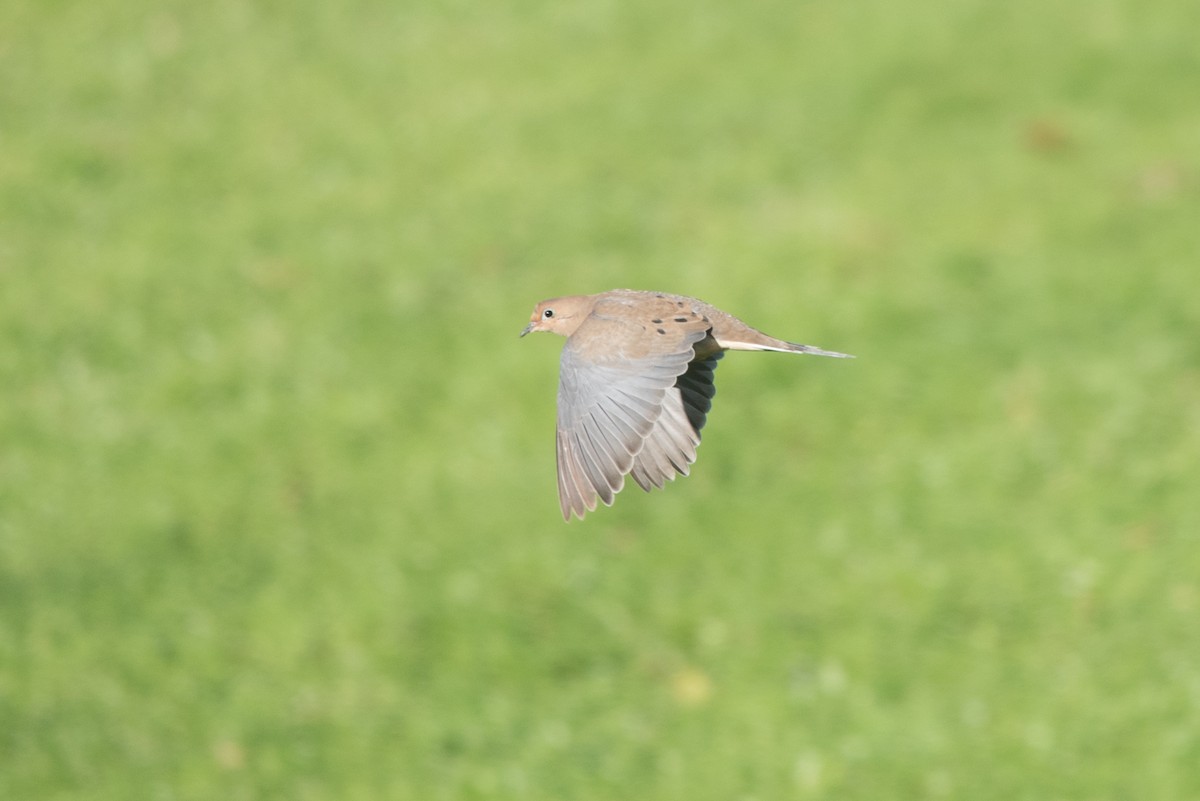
(671, 446)
(697, 389)
(617, 382)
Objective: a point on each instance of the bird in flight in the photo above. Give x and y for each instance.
(635, 386)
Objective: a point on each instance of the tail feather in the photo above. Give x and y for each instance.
(764, 342)
(815, 351)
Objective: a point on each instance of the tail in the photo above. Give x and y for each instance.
(763, 342)
(794, 348)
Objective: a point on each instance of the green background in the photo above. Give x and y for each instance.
(278, 514)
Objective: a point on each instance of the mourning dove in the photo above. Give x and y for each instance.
(635, 385)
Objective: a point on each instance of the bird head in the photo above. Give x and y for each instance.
(559, 315)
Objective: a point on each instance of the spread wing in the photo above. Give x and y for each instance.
(671, 445)
(617, 399)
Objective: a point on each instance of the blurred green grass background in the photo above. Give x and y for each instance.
(277, 502)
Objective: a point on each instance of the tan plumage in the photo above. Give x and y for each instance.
(636, 385)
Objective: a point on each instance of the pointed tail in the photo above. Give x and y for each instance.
(764, 342)
(817, 351)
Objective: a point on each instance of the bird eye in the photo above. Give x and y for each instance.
(548, 313)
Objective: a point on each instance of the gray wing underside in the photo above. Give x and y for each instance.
(671, 446)
(628, 417)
